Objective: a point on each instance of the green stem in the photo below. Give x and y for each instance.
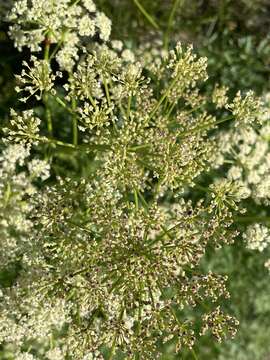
(113, 347)
(48, 115)
(92, 101)
(148, 17)
(170, 23)
(160, 237)
(47, 48)
(205, 127)
(63, 104)
(45, 97)
(74, 122)
(194, 354)
(115, 336)
(202, 188)
(163, 97)
(57, 47)
(138, 147)
(106, 90)
(82, 147)
(144, 202)
(170, 110)
(136, 200)
(166, 232)
(54, 142)
(58, 142)
(7, 195)
(247, 219)
(129, 106)
(80, 227)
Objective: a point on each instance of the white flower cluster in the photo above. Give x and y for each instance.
(15, 187)
(267, 264)
(247, 150)
(34, 317)
(39, 169)
(219, 96)
(188, 70)
(257, 237)
(23, 128)
(61, 22)
(36, 79)
(228, 193)
(246, 109)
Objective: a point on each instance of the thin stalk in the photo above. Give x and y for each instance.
(106, 90)
(63, 104)
(202, 188)
(136, 200)
(158, 238)
(48, 115)
(74, 122)
(80, 227)
(54, 142)
(45, 97)
(148, 17)
(113, 347)
(75, 3)
(205, 127)
(143, 201)
(7, 195)
(170, 110)
(194, 354)
(163, 97)
(167, 232)
(170, 22)
(58, 142)
(245, 219)
(47, 49)
(139, 147)
(115, 336)
(57, 47)
(92, 101)
(129, 106)
(139, 313)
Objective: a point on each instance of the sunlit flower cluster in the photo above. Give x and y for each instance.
(247, 150)
(15, 188)
(257, 237)
(61, 22)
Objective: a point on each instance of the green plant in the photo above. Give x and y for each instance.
(105, 219)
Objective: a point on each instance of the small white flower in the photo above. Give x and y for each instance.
(117, 45)
(89, 5)
(86, 26)
(128, 55)
(257, 237)
(267, 264)
(235, 173)
(39, 169)
(104, 24)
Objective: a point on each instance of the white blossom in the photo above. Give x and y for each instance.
(104, 25)
(257, 237)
